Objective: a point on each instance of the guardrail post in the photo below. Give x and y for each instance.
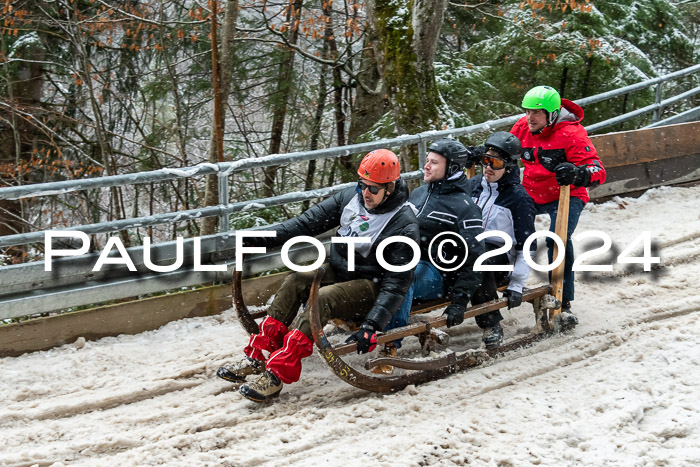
(421, 155)
(657, 112)
(223, 200)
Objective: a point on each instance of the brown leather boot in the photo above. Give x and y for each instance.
(237, 372)
(389, 350)
(262, 389)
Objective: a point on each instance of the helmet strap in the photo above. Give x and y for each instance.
(387, 193)
(451, 169)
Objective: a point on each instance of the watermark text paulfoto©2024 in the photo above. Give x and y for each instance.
(439, 242)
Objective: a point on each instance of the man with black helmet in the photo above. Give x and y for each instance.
(506, 207)
(445, 211)
(556, 152)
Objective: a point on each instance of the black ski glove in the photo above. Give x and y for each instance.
(455, 314)
(514, 298)
(568, 174)
(474, 154)
(255, 241)
(366, 338)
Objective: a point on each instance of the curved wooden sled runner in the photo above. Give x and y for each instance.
(244, 316)
(421, 370)
(545, 299)
(424, 370)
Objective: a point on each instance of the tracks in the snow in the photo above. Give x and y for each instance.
(613, 340)
(196, 381)
(151, 429)
(192, 376)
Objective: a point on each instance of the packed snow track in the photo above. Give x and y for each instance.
(620, 389)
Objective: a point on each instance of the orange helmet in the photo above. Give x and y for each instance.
(380, 166)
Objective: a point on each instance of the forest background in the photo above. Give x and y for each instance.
(92, 87)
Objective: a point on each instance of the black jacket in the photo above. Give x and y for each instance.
(326, 215)
(447, 205)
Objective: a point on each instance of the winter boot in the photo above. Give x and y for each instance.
(262, 389)
(493, 336)
(389, 350)
(237, 372)
(568, 318)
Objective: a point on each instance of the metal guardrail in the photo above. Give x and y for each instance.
(32, 290)
(166, 218)
(655, 107)
(228, 168)
(691, 115)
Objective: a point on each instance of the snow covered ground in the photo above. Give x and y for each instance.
(623, 388)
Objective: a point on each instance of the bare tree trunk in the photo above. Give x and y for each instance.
(329, 39)
(339, 112)
(281, 96)
(316, 130)
(182, 186)
(104, 147)
(338, 87)
(562, 84)
(405, 50)
(17, 140)
(221, 76)
(368, 108)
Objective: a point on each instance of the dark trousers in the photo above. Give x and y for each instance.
(428, 285)
(349, 301)
(575, 207)
(489, 289)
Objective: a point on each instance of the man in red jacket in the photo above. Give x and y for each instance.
(557, 151)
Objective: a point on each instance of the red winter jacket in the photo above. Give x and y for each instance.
(566, 140)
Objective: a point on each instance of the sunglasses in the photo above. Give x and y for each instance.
(494, 162)
(372, 189)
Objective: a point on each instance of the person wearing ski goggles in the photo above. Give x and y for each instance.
(493, 160)
(506, 207)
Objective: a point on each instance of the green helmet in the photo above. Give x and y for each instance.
(546, 98)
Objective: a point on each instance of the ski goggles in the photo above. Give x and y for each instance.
(372, 189)
(494, 162)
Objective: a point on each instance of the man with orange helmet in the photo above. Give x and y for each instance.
(376, 209)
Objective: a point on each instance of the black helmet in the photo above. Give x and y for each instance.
(452, 150)
(507, 144)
